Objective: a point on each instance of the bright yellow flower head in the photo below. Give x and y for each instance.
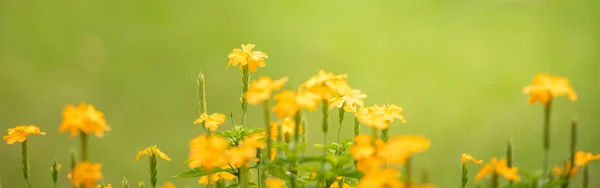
(350, 101)
(151, 151)
(582, 158)
(563, 170)
(168, 185)
(543, 87)
(83, 118)
(327, 85)
(288, 126)
(307, 100)
(428, 185)
(86, 174)
(207, 152)
(363, 147)
(107, 186)
(499, 167)
(286, 104)
(373, 117)
(215, 177)
(255, 140)
(275, 183)
(400, 148)
(261, 89)
(381, 178)
(211, 122)
(391, 112)
(20, 133)
(367, 165)
(274, 130)
(247, 57)
(241, 155)
(468, 157)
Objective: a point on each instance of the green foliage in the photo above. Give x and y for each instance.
(237, 134)
(198, 172)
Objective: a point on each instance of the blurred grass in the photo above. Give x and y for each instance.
(457, 67)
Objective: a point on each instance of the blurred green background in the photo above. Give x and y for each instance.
(457, 67)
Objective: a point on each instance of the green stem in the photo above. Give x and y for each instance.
(25, 160)
(465, 177)
(509, 157)
(84, 146)
(356, 126)
(408, 167)
(572, 148)
(202, 99)
(325, 112)
(341, 113)
(385, 134)
(245, 78)
(297, 128)
(586, 176)
(494, 180)
(153, 170)
(268, 128)
(547, 112)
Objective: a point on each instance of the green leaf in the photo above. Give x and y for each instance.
(197, 172)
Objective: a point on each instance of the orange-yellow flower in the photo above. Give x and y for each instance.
(350, 101)
(391, 112)
(213, 178)
(363, 147)
(107, 186)
(307, 100)
(286, 104)
(468, 157)
(400, 148)
(381, 178)
(543, 87)
(86, 174)
(152, 151)
(428, 185)
(582, 158)
(207, 152)
(370, 164)
(275, 183)
(373, 117)
(211, 122)
(288, 126)
(498, 167)
(255, 140)
(168, 185)
(83, 118)
(247, 57)
(20, 133)
(563, 170)
(326, 84)
(261, 89)
(274, 130)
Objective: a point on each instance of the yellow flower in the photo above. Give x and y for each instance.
(207, 152)
(326, 85)
(373, 117)
(86, 174)
(151, 151)
(83, 118)
(286, 104)
(275, 183)
(107, 186)
(428, 185)
(370, 164)
(498, 167)
(255, 140)
(288, 126)
(387, 178)
(247, 57)
(20, 133)
(468, 157)
(391, 112)
(400, 148)
(260, 90)
(273, 154)
(563, 170)
(350, 101)
(307, 100)
(240, 156)
(543, 87)
(274, 130)
(582, 158)
(58, 167)
(363, 147)
(211, 122)
(215, 177)
(168, 185)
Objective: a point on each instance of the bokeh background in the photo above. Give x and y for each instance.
(457, 67)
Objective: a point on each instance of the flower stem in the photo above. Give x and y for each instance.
(385, 134)
(494, 180)
(572, 148)
(297, 120)
(341, 113)
(245, 78)
(586, 176)
(25, 160)
(153, 170)
(509, 157)
(73, 158)
(547, 112)
(202, 99)
(268, 128)
(84, 146)
(325, 111)
(465, 177)
(356, 126)
(408, 167)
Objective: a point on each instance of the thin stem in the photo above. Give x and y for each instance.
(408, 166)
(325, 112)
(465, 177)
(245, 78)
(547, 112)
(586, 176)
(84, 146)
(153, 170)
(297, 128)
(356, 126)
(509, 157)
(572, 148)
(268, 128)
(494, 180)
(202, 99)
(25, 160)
(341, 113)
